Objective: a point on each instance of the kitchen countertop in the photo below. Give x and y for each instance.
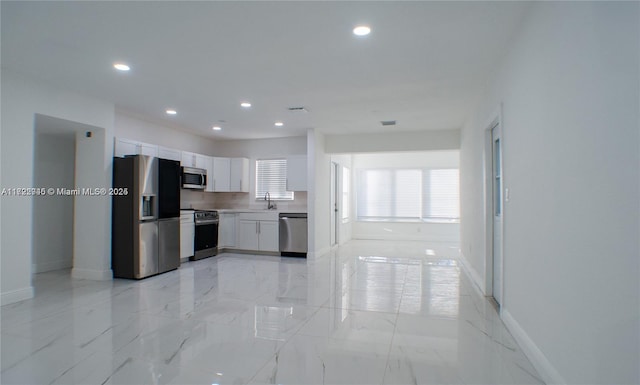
(248, 210)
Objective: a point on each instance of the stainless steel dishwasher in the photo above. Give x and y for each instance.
(293, 235)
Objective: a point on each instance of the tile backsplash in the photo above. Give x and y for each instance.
(196, 199)
(243, 201)
(236, 200)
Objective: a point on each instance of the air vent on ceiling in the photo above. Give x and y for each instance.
(297, 109)
(388, 122)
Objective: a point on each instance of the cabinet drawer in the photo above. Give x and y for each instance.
(268, 216)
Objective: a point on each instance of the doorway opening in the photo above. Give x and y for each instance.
(65, 160)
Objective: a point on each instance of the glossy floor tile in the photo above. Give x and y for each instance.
(369, 312)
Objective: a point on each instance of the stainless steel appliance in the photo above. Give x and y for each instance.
(146, 221)
(293, 234)
(194, 178)
(205, 243)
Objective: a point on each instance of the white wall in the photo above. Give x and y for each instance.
(129, 126)
(21, 100)
(404, 231)
(319, 195)
(53, 224)
(394, 141)
(570, 94)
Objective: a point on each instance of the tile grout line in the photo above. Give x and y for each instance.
(395, 327)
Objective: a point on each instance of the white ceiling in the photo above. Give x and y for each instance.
(424, 64)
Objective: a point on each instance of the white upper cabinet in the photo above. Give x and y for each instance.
(188, 159)
(297, 173)
(169, 153)
(221, 174)
(210, 173)
(202, 161)
(239, 175)
(131, 147)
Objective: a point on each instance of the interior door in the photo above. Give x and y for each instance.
(334, 203)
(496, 140)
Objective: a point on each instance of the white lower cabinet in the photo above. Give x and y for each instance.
(227, 233)
(248, 234)
(268, 236)
(258, 232)
(187, 234)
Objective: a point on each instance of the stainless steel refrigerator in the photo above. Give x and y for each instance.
(145, 221)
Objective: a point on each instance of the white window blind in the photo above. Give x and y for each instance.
(407, 194)
(441, 194)
(271, 176)
(388, 194)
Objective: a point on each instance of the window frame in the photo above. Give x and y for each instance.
(281, 195)
(423, 196)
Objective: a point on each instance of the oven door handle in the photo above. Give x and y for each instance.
(215, 222)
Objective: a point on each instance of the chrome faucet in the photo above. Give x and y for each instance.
(267, 197)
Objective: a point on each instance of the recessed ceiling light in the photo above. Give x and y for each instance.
(171, 112)
(216, 128)
(245, 104)
(121, 67)
(361, 30)
(279, 124)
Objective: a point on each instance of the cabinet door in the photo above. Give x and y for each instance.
(297, 173)
(125, 147)
(208, 165)
(228, 230)
(169, 153)
(221, 173)
(188, 159)
(268, 236)
(239, 175)
(187, 233)
(248, 235)
(202, 161)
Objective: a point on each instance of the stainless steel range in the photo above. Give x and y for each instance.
(206, 234)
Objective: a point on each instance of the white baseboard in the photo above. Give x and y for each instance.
(399, 237)
(94, 275)
(14, 296)
(546, 370)
(51, 266)
(318, 253)
(478, 282)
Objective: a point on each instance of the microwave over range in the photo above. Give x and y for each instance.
(194, 178)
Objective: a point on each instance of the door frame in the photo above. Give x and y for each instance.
(496, 119)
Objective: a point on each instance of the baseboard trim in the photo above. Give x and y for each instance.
(318, 253)
(94, 275)
(14, 296)
(478, 282)
(540, 362)
(365, 237)
(51, 266)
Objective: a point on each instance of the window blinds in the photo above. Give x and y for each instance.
(407, 194)
(271, 176)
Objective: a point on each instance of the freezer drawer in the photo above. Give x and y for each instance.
(293, 234)
(146, 262)
(168, 244)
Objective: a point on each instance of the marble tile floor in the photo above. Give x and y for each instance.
(370, 312)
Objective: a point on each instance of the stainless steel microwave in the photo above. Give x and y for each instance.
(194, 178)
